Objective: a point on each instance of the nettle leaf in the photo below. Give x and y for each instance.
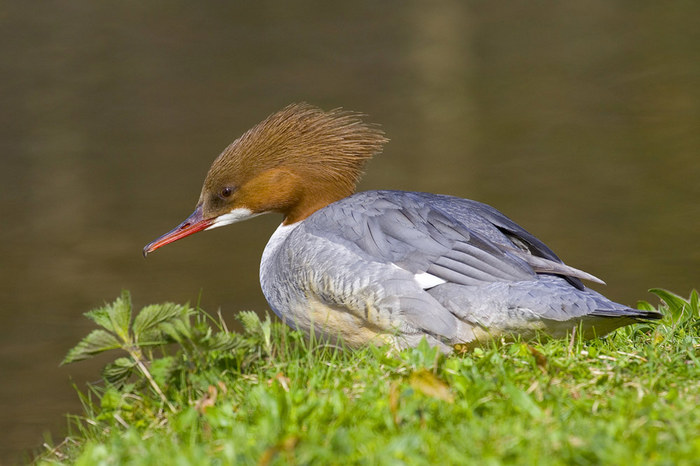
(120, 313)
(152, 316)
(111, 400)
(114, 317)
(153, 338)
(118, 372)
(161, 369)
(178, 330)
(251, 322)
(101, 317)
(96, 342)
(224, 341)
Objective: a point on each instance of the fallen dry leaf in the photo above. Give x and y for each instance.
(429, 384)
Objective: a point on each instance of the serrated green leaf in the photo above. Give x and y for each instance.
(151, 316)
(101, 317)
(114, 317)
(96, 342)
(111, 400)
(161, 369)
(119, 371)
(251, 322)
(120, 313)
(153, 338)
(170, 332)
(178, 330)
(224, 341)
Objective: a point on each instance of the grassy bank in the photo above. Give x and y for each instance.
(270, 396)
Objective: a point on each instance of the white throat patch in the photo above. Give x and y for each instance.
(236, 215)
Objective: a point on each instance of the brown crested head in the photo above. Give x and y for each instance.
(294, 162)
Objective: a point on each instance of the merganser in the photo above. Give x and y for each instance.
(386, 266)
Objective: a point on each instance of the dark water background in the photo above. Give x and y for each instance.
(581, 121)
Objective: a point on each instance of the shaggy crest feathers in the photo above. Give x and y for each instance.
(333, 146)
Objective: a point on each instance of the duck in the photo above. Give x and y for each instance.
(385, 266)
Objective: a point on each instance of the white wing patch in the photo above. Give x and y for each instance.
(426, 280)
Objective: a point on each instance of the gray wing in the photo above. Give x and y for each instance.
(475, 213)
(440, 235)
(420, 239)
(423, 240)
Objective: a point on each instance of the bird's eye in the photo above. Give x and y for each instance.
(226, 192)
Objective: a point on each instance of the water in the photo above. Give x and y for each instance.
(579, 121)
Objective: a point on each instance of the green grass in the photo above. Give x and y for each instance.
(270, 396)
